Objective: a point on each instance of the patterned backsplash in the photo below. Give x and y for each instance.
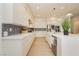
(10, 29)
(40, 29)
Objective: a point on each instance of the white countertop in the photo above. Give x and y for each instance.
(61, 35)
(18, 36)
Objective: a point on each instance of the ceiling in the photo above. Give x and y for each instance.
(44, 10)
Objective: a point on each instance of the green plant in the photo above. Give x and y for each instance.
(66, 25)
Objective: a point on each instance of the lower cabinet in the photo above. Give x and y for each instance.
(0, 48)
(50, 39)
(54, 49)
(17, 47)
(70, 46)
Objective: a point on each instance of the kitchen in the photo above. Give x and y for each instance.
(22, 23)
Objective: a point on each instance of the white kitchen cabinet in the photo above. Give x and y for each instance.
(70, 47)
(40, 23)
(6, 16)
(21, 15)
(7, 13)
(17, 45)
(1, 11)
(0, 48)
(0, 27)
(67, 45)
(50, 39)
(15, 14)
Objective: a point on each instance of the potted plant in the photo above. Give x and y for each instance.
(66, 26)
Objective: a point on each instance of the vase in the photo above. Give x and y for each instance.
(66, 33)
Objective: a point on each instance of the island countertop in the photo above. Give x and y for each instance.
(67, 45)
(70, 36)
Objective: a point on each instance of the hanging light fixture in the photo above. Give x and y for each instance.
(54, 11)
(30, 22)
(69, 15)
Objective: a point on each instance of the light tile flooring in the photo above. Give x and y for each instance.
(40, 48)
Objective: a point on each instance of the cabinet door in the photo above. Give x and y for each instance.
(70, 47)
(0, 47)
(1, 11)
(12, 47)
(7, 13)
(0, 28)
(20, 16)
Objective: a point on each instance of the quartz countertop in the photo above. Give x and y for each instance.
(18, 36)
(61, 35)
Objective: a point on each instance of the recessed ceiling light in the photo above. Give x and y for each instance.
(54, 8)
(37, 7)
(62, 8)
(69, 14)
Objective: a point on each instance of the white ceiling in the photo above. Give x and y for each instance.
(46, 9)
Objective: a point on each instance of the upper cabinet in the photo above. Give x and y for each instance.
(7, 13)
(15, 13)
(21, 14)
(1, 11)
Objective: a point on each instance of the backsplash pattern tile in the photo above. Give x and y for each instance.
(11, 29)
(40, 29)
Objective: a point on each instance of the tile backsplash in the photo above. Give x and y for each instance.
(40, 29)
(10, 29)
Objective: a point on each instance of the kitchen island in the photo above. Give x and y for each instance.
(67, 45)
(17, 45)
